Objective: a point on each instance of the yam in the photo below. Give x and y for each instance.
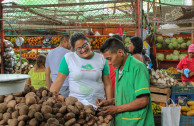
(38, 116)
(18, 94)
(21, 123)
(1, 116)
(50, 94)
(46, 109)
(18, 106)
(12, 122)
(89, 111)
(11, 104)
(10, 110)
(82, 114)
(30, 100)
(31, 113)
(63, 109)
(55, 110)
(48, 115)
(73, 109)
(61, 98)
(108, 117)
(23, 110)
(91, 122)
(8, 98)
(79, 105)
(70, 122)
(88, 107)
(76, 124)
(44, 93)
(2, 122)
(15, 114)
(43, 124)
(6, 116)
(36, 107)
(70, 100)
(39, 93)
(57, 105)
(23, 118)
(20, 99)
(101, 119)
(69, 116)
(33, 122)
(53, 122)
(2, 98)
(81, 121)
(30, 94)
(59, 115)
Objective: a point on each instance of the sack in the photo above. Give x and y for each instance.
(170, 115)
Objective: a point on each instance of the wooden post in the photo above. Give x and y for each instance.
(138, 17)
(2, 37)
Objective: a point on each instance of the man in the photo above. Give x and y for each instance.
(132, 101)
(53, 61)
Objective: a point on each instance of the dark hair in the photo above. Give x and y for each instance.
(138, 43)
(64, 37)
(40, 61)
(118, 37)
(112, 45)
(77, 36)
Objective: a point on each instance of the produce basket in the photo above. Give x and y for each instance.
(12, 83)
(180, 89)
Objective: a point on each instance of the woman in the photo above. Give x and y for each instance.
(37, 73)
(88, 72)
(186, 66)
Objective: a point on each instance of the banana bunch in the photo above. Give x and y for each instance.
(156, 108)
(13, 40)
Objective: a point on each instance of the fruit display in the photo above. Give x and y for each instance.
(30, 54)
(156, 108)
(43, 108)
(188, 110)
(161, 78)
(97, 42)
(176, 55)
(56, 40)
(173, 43)
(35, 40)
(172, 70)
(16, 51)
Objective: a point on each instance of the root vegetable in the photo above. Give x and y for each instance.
(33, 122)
(20, 99)
(73, 109)
(44, 93)
(55, 110)
(89, 111)
(30, 94)
(31, 113)
(12, 122)
(30, 100)
(101, 119)
(46, 109)
(88, 107)
(3, 107)
(23, 110)
(70, 122)
(108, 117)
(63, 109)
(1, 116)
(59, 115)
(48, 115)
(76, 124)
(91, 122)
(2, 122)
(23, 118)
(36, 107)
(10, 110)
(38, 116)
(57, 105)
(81, 121)
(18, 106)
(79, 105)
(52, 122)
(2, 98)
(82, 114)
(11, 104)
(8, 98)
(6, 116)
(43, 124)
(15, 114)
(18, 94)
(69, 116)
(70, 100)
(21, 123)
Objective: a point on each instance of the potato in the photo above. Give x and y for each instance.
(30, 101)
(88, 107)
(81, 121)
(50, 94)
(48, 115)
(108, 117)
(23, 110)
(18, 106)
(63, 109)
(58, 105)
(89, 117)
(10, 110)
(31, 113)
(55, 110)
(33, 122)
(46, 109)
(59, 115)
(79, 105)
(39, 93)
(23, 118)
(89, 111)
(21, 123)
(36, 107)
(6, 116)
(70, 122)
(8, 98)
(11, 104)
(70, 100)
(1, 116)
(82, 114)
(30, 94)
(20, 99)
(76, 124)
(91, 122)
(53, 122)
(15, 114)
(73, 109)
(2, 98)
(12, 122)
(69, 116)
(43, 124)
(101, 119)
(2, 122)
(38, 116)
(44, 93)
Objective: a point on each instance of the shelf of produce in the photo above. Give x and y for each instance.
(30, 57)
(31, 35)
(179, 35)
(169, 60)
(32, 48)
(168, 50)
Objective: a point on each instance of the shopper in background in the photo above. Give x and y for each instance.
(133, 106)
(88, 72)
(37, 73)
(186, 66)
(53, 61)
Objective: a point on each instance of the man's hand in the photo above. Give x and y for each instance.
(191, 74)
(108, 110)
(101, 102)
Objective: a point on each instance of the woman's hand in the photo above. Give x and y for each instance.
(108, 110)
(101, 102)
(191, 74)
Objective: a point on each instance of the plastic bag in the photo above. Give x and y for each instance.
(171, 115)
(7, 43)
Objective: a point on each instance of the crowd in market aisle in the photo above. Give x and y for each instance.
(115, 80)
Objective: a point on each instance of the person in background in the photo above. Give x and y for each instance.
(53, 61)
(89, 75)
(37, 73)
(186, 66)
(132, 102)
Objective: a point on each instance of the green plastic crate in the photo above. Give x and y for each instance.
(183, 90)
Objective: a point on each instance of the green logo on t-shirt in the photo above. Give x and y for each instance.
(87, 67)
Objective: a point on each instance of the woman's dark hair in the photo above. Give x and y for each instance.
(77, 36)
(40, 61)
(138, 43)
(118, 37)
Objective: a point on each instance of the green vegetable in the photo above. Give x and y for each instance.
(173, 39)
(176, 52)
(175, 57)
(183, 45)
(158, 45)
(160, 56)
(159, 39)
(167, 41)
(170, 46)
(175, 44)
(188, 43)
(127, 39)
(168, 57)
(180, 40)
